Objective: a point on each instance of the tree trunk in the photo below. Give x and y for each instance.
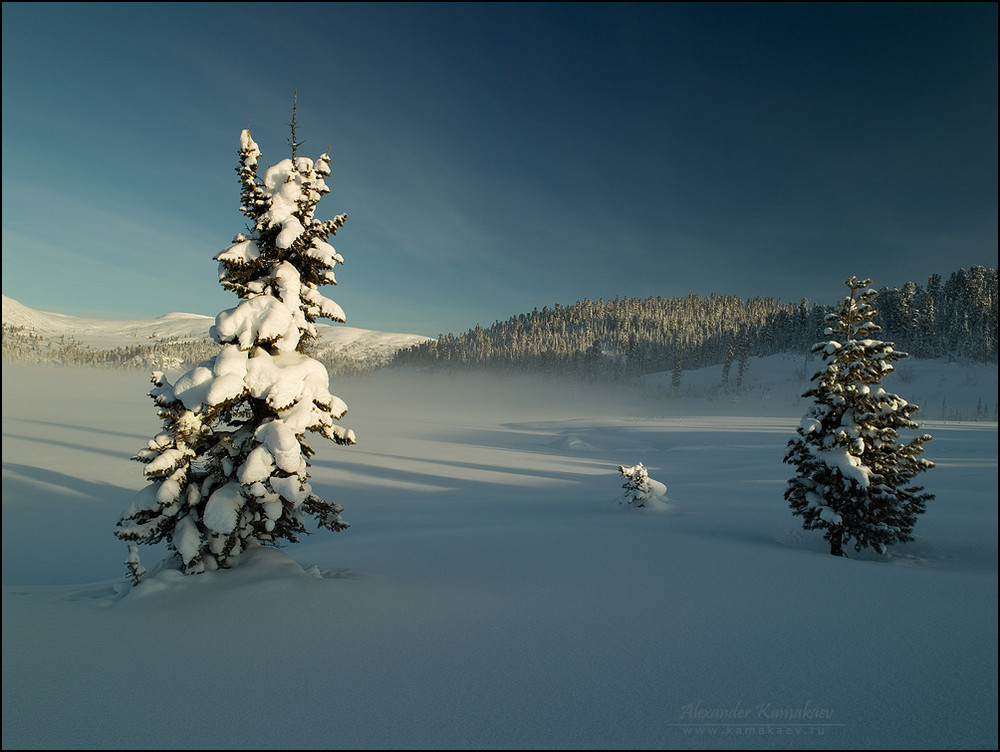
(836, 544)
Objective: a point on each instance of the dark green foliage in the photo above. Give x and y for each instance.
(627, 337)
(853, 474)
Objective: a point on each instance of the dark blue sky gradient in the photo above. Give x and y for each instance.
(496, 158)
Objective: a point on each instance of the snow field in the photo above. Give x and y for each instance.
(491, 592)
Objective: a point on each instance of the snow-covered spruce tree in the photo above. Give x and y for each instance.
(640, 489)
(854, 475)
(229, 469)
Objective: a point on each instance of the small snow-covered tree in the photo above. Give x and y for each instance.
(854, 474)
(640, 489)
(229, 468)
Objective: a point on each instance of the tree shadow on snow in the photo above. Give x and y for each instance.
(83, 447)
(469, 473)
(89, 428)
(70, 486)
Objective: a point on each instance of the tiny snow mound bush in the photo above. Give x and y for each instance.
(640, 489)
(229, 469)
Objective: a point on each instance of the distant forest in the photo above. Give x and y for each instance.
(624, 337)
(23, 345)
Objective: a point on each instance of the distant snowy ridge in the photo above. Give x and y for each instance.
(106, 333)
(341, 342)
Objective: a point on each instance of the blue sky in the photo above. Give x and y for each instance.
(496, 158)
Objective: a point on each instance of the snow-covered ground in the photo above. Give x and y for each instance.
(773, 385)
(491, 592)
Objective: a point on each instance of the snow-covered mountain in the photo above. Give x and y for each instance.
(104, 334)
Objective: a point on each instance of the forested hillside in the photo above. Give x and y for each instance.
(951, 318)
(624, 337)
